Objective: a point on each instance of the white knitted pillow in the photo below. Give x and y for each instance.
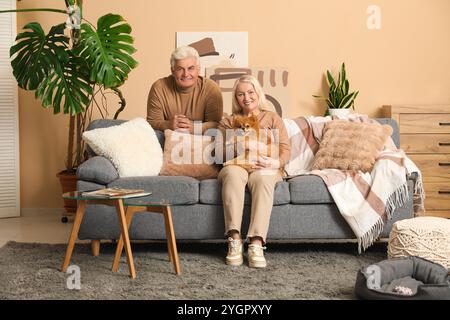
(132, 147)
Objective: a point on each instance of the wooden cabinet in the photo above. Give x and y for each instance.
(425, 138)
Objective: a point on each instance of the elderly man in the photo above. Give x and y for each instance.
(174, 102)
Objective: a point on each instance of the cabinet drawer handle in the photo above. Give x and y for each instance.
(444, 164)
(444, 192)
(444, 123)
(444, 144)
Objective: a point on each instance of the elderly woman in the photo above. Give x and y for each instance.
(249, 100)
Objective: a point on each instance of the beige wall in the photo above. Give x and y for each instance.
(407, 61)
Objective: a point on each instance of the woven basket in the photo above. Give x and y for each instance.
(425, 237)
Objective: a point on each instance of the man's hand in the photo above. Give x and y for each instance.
(181, 123)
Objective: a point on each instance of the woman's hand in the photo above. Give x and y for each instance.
(264, 162)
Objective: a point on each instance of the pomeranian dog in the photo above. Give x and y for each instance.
(247, 129)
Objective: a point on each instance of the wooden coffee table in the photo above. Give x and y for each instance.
(125, 207)
(136, 205)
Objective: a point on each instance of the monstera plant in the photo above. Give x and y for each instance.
(68, 72)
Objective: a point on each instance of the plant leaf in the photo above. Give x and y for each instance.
(330, 79)
(343, 78)
(107, 50)
(67, 86)
(339, 82)
(345, 87)
(338, 97)
(348, 100)
(35, 54)
(353, 102)
(330, 104)
(344, 101)
(331, 97)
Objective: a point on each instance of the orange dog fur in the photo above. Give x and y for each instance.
(248, 129)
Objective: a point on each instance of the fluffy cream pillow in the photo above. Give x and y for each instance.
(189, 155)
(132, 147)
(351, 145)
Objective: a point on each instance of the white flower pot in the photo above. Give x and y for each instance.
(340, 113)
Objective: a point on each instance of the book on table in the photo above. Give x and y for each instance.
(115, 193)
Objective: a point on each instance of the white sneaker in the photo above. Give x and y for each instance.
(235, 252)
(256, 256)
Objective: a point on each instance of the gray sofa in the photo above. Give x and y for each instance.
(303, 207)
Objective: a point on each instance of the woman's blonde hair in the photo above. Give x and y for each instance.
(263, 104)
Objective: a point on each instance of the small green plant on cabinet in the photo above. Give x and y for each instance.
(339, 96)
(68, 72)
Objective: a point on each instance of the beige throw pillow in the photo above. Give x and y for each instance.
(189, 155)
(351, 145)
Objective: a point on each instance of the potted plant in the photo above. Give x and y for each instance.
(339, 99)
(68, 72)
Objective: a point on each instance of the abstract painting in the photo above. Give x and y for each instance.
(273, 81)
(217, 49)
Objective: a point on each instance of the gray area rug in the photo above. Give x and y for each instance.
(294, 271)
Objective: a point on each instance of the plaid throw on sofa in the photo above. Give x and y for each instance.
(365, 200)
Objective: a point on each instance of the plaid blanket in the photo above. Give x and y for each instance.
(365, 200)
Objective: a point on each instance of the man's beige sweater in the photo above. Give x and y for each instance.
(202, 102)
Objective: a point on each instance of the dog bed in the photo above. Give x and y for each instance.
(410, 278)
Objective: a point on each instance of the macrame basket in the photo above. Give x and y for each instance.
(425, 237)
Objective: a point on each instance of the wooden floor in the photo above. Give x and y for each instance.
(42, 228)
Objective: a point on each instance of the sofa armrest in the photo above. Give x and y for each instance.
(97, 169)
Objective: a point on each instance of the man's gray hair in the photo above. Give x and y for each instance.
(184, 52)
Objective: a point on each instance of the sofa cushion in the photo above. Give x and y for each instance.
(174, 190)
(350, 145)
(100, 123)
(211, 193)
(309, 189)
(97, 169)
(132, 147)
(106, 123)
(187, 155)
